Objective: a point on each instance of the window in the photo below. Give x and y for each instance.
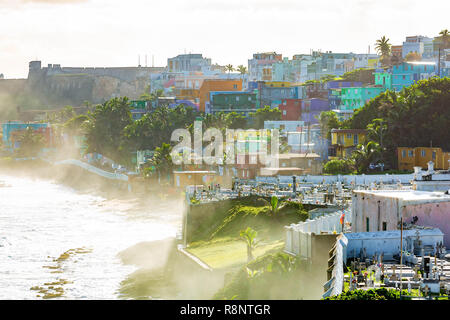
(384, 226)
(424, 153)
(237, 98)
(410, 153)
(403, 153)
(367, 224)
(284, 112)
(355, 139)
(433, 155)
(349, 135)
(234, 86)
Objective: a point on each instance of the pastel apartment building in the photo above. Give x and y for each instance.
(188, 62)
(260, 67)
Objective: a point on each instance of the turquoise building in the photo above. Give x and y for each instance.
(408, 73)
(383, 79)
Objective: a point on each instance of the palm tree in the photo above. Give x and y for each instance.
(275, 205)
(229, 68)
(440, 43)
(242, 70)
(445, 35)
(366, 154)
(383, 48)
(162, 159)
(249, 236)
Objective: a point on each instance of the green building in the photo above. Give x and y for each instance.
(232, 101)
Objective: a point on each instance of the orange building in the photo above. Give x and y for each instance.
(408, 158)
(188, 94)
(217, 85)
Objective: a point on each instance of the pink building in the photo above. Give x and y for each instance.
(381, 210)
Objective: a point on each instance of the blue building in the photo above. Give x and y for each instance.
(272, 93)
(408, 73)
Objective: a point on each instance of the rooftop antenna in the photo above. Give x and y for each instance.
(139, 60)
(369, 49)
(153, 60)
(145, 60)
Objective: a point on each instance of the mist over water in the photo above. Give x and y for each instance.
(40, 220)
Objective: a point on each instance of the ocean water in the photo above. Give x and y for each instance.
(40, 221)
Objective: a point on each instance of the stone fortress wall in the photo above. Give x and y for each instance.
(74, 85)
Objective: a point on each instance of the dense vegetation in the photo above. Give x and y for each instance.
(418, 115)
(211, 221)
(372, 294)
(111, 131)
(272, 276)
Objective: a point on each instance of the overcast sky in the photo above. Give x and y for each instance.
(114, 32)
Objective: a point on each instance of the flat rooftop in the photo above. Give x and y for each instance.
(408, 195)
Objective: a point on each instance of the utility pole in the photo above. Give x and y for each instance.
(439, 62)
(401, 253)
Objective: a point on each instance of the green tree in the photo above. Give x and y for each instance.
(264, 114)
(365, 154)
(418, 115)
(383, 48)
(30, 143)
(249, 236)
(156, 128)
(75, 125)
(229, 68)
(339, 166)
(105, 128)
(328, 120)
(327, 77)
(413, 56)
(364, 75)
(162, 160)
(236, 121)
(242, 70)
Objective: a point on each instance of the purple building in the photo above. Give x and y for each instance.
(311, 109)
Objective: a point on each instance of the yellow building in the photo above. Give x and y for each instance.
(278, 84)
(408, 158)
(344, 141)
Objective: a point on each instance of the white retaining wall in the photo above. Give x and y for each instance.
(298, 236)
(345, 179)
(90, 168)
